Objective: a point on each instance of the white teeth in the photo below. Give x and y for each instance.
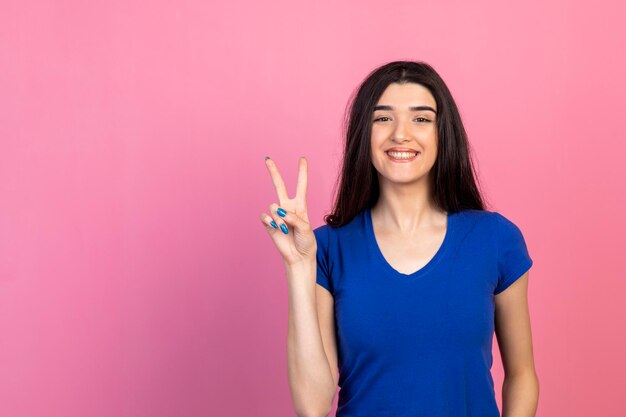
(402, 155)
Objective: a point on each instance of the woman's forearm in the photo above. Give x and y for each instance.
(311, 382)
(520, 395)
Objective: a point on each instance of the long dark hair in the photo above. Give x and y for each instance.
(452, 185)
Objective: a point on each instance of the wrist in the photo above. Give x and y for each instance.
(305, 264)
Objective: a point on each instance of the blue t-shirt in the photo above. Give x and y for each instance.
(420, 344)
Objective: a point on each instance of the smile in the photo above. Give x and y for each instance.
(402, 156)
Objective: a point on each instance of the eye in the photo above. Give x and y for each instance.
(420, 119)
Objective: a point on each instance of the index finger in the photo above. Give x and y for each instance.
(279, 184)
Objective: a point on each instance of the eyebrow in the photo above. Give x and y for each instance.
(414, 108)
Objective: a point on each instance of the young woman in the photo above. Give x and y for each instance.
(396, 298)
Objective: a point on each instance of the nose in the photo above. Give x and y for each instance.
(399, 133)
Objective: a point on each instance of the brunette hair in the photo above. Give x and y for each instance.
(453, 184)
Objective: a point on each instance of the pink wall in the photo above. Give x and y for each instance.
(135, 276)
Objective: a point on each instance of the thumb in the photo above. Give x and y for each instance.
(293, 220)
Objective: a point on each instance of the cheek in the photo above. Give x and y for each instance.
(377, 143)
(378, 137)
(430, 140)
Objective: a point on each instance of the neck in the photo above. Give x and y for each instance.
(407, 208)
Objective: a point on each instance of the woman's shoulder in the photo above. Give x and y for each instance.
(355, 228)
(476, 214)
(485, 219)
(493, 219)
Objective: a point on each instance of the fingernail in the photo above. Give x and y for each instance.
(267, 157)
(284, 228)
(273, 223)
(281, 212)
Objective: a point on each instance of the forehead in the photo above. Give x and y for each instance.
(404, 95)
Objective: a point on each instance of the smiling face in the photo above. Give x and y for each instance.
(404, 118)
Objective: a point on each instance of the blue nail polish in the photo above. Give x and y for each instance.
(284, 228)
(281, 212)
(274, 225)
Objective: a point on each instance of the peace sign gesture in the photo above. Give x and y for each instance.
(292, 233)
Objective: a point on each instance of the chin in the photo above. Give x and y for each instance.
(401, 179)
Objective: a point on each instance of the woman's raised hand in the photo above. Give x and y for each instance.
(298, 244)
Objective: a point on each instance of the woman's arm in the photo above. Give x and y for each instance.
(520, 390)
(310, 379)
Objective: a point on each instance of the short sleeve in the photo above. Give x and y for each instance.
(512, 253)
(323, 277)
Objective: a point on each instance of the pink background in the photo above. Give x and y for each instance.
(135, 276)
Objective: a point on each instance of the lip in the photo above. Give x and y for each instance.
(396, 149)
(392, 159)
